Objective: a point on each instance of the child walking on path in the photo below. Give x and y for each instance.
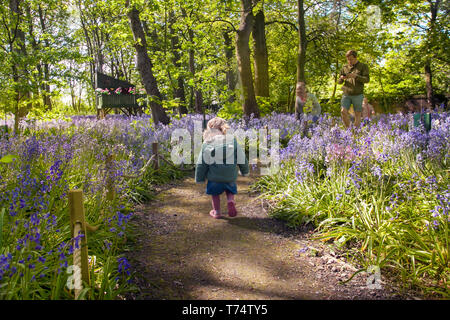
(218, 163)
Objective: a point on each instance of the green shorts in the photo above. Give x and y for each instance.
(355, 100)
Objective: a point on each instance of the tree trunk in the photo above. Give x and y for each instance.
(429, 83)
(45, 87)
(198, 101)
(99, 57)
(34, 51)
(301, 57)
(337, 13)
(196, 97)
(145, 67)
(430, 39)
(380, 77)
(72, 95)
(175, 45)
(335, 79)
(230, 73)
(261, 56)
(243, 59)
(126, 73)
(292, 103)
(18, 71)
(288, 100)
(89, 44)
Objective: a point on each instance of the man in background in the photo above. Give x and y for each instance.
(354, 75)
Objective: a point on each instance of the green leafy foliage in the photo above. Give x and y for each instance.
(186, 45)
(390, 213)
(7, 158)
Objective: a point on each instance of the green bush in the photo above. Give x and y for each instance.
(231, 111)
(333, 107)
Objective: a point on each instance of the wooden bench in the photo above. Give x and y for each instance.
(128, 103)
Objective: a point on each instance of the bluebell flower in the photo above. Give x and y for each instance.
(304, 249)
(123, 265)
(108, 244)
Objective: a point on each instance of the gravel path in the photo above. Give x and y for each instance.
(183, 253)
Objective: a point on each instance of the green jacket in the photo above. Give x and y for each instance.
(354, 86)
(311, 106)
(218, 161)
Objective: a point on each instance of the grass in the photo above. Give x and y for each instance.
(379, 221)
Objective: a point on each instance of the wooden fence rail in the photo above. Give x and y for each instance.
(77, 227)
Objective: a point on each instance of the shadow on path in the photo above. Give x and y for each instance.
(183, 253)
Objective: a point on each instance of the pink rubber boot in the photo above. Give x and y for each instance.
(232, 212)
(215, 213)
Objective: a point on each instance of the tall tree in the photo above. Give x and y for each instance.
(336, 14)
(196, 96)
(426, 22)
(261, 57)
(250, 105)
(145, 67)
(176, 50)
(45, 87)
(431, 35)
(301, 57)
(230, 74)
(89, 24)
(19, 68)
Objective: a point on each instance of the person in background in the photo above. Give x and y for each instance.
(367, 109)
(306, 102)
(354, 75)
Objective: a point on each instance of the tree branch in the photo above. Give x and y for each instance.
(219, 20)
(282, 22)
(6, 50)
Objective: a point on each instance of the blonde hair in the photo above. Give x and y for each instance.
(216, 126)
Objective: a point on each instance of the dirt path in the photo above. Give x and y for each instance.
(183, 253)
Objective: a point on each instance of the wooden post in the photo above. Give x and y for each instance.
(100, 114)
(155, 152)
(78, 224)
(110, 190)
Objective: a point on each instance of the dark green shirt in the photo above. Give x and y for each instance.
(219, 161)
(354, 86)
